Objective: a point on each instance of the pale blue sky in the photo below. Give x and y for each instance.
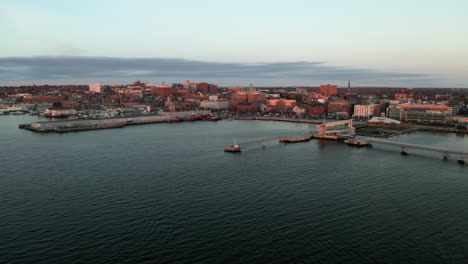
(412, 36)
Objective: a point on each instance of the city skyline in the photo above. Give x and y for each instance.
(405, 44)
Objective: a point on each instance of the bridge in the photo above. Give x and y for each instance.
(405, 149)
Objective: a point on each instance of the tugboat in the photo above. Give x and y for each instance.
(233, 148)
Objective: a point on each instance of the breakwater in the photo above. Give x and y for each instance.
(106, 123)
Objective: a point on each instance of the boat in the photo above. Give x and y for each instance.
(214, 117)
(233, 148)
(192, 117)
(358, 143)
(176, 119)
(17, 113)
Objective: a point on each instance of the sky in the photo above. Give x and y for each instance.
(409, 43)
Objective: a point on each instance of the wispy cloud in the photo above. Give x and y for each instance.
(112, 68)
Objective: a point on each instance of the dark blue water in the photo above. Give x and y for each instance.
(167, 193)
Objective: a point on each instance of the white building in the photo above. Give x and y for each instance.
(366, 111)
(95, 88)
(214, 105)
(298, 110)
(59, 112)
(376, 121)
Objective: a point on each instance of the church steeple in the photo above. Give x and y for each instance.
(252, 89)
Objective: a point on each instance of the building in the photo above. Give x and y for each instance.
(162, 90)
(329, 90)
(366, 111)
(299, 110)
(95, 88)
(281, 102)
(247, 107)
(256, 97)
(202, 87)
(460, 119)
(383, 121)
(317, 111)
(212, 88)
(59, 112)
(339, 109)
(336, 128)
(214, 105)
(420, 112)
(189, 86)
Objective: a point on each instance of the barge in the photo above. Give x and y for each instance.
(294, 140)
(358, 143)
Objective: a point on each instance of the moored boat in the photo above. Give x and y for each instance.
(193, 117)
(214, 117)
(176, 119)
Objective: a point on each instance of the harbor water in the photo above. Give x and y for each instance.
(167, 193)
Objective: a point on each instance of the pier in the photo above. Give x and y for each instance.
(405, 147)
(285, 119)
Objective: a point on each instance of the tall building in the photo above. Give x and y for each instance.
(162, 90)
(329, 90)
(213, 88)
(202, 87)
(95, 88)
(190, 86)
